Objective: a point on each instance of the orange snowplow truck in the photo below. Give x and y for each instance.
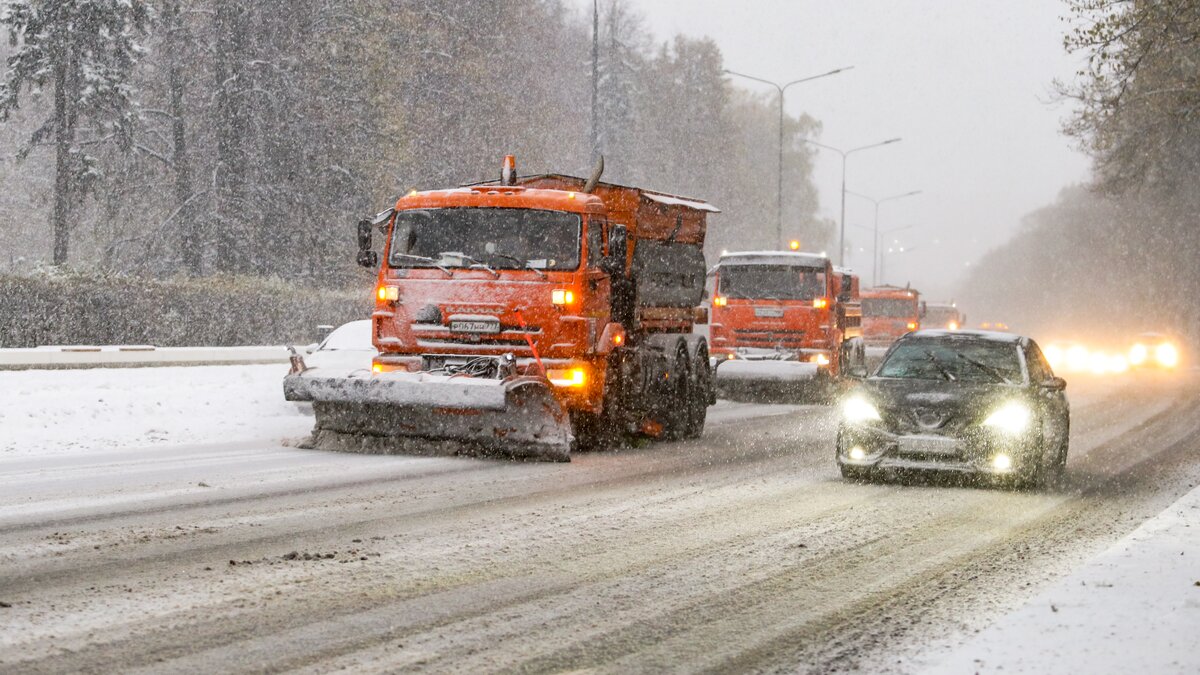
(527, 317)
(783, 318)
(889, 312)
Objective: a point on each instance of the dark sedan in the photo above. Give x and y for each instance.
(971, 402)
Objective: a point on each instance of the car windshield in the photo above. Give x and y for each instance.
(892, 307)
(495, 238)
(772, 282)
(955, 359)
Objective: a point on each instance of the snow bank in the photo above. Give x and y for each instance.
(1133, 609)
(67, 411)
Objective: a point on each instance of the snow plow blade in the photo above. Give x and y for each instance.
(769, 380)
(424, 414)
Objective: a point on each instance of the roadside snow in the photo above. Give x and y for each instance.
(1133, 609)
(46, 412)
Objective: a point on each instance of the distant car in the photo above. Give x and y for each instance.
(972, 402)
(1153, 350)
(347, 347)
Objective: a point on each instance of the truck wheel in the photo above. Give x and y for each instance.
(604, 430)
(701, 392)
(679, 411)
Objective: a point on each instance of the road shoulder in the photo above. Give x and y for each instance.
(1144, 590)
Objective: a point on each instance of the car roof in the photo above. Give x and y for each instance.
(983, 335)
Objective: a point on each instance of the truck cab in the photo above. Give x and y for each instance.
(943, 315)
(889, 312)
(780, 305)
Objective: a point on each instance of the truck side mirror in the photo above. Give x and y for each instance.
(366, 257)
(618, 250)
(924, 308)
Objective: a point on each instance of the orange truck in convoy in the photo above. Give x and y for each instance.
(889, 312)
(783, 318)
(943, 315)
(527, 316)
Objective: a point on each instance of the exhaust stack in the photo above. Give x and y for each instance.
(590, 185)
(508, 174)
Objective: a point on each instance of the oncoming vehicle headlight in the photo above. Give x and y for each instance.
(1166, 355)
(1138, 354)
(857, 410)
(1011, 418)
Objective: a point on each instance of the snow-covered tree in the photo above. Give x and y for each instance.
(85, 52)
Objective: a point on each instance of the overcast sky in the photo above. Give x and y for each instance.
(966, 83)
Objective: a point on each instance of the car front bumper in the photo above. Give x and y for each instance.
(978, 451)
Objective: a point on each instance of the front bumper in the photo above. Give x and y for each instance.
(974, 452)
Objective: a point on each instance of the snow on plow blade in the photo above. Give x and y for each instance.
(425, 414)
(767, 379)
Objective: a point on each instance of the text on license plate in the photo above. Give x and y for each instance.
(929, 446)
(475, 326)
(768, 312)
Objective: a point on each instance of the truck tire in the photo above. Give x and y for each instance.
(701, 392)
(603, 430)
(678, 414)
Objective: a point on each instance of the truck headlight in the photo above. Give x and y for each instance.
(1011, 418)
(567, 377)
(857, 410)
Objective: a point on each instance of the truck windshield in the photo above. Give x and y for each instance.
(893, 307)
(497, 238)
(940, 316)
(771, 282)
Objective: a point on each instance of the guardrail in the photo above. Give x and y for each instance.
(134, 356)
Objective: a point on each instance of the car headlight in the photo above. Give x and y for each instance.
(1011, 418)
(857, 410)
(1138, 354)
(1166, 355)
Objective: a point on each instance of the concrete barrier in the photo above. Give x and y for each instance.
(134, 356)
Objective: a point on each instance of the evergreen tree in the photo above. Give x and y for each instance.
(85, 50)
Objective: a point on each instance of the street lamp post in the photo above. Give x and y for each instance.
(845, 154)
(781, 88)
(875, 273)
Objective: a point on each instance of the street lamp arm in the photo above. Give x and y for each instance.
(756, 79)
(814, 77)
(873, 145)
(822, 145)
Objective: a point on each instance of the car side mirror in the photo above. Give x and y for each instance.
(1054, 384)
(366, 257)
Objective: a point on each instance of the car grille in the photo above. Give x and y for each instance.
(931, 421)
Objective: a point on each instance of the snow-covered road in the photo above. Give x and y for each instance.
(162, 520)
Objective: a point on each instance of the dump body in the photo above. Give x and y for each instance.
(889, 312)
(589, 296)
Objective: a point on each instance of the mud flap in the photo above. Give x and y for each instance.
(769, 380)
(421, 413)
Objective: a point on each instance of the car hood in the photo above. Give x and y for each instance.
(915, 406)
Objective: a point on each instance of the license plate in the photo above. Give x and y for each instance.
(929, 445)
(768, 312)
(475, 326)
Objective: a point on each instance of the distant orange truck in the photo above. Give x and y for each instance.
(889, 312)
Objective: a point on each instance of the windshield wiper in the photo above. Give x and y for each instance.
(523, 263)
(940, 366)
(991, 370)
(425, 259)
